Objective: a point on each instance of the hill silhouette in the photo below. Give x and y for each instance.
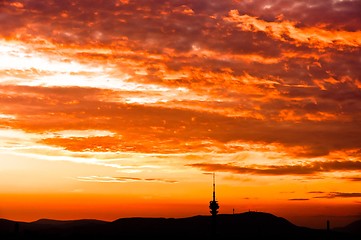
(247, 225)
(353, 228)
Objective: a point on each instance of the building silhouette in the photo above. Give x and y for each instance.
(213, 206)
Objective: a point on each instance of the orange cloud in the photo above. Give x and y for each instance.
(287, 31)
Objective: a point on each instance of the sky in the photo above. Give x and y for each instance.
(125, 108)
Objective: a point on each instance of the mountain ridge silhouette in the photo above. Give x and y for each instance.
(247, 225)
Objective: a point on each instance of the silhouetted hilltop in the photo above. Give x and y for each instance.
(352, 228)
(7, 226)
(248, 225)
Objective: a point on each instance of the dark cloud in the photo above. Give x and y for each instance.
(298, 199)
(273, 170)
(334, 14)
(354, 179)
(340, 195)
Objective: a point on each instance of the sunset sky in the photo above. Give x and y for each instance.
(124, 108)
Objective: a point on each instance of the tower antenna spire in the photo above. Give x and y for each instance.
(214, 187)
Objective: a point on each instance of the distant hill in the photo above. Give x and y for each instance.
(62, 222)
(247, 225)
(352, 228)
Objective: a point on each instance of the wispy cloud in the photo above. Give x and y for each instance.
(108, 179)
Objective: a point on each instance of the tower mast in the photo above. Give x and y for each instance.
(213, 205)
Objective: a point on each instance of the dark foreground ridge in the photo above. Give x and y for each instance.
(248, 225)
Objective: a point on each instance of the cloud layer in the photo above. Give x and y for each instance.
(248, 88)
